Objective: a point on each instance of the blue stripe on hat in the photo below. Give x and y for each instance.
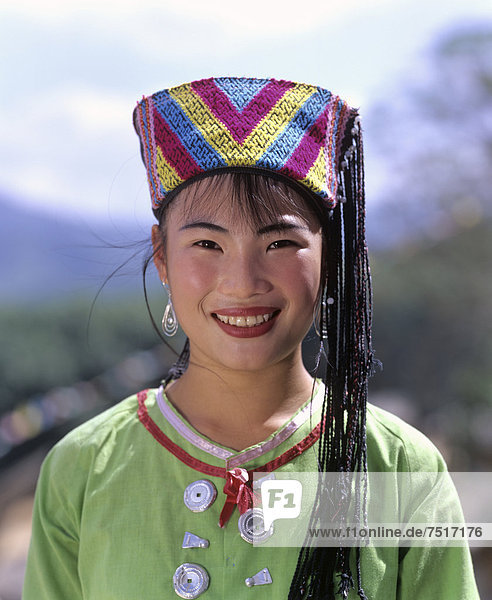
(295, 131)
(191, 138)
(240, 91)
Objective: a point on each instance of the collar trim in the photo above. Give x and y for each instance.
(212, 470)
(233, 459)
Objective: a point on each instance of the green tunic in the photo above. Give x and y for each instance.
(109, 516)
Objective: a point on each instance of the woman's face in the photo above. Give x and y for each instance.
(243, 294)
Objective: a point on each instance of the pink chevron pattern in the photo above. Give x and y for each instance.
(240, 124)
(304, 156)
(291, 129)
(172, 148)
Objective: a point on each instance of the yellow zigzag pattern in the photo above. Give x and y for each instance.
(315, 179)
(270, 127)
(167, 174)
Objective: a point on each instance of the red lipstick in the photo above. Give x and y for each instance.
(246, 331)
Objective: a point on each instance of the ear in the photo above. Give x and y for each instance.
(159, 252)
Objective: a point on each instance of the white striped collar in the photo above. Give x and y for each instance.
(231, 458)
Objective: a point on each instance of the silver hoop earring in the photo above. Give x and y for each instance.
(169, 320)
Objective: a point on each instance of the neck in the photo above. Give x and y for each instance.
(240, 408)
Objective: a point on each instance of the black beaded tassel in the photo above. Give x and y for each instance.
(345, 331)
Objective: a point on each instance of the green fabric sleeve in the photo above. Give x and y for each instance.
(424, 572)
(431, 573)
(52, 571)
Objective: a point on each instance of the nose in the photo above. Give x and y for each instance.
(244, 276)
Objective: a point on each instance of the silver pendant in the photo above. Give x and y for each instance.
(261, 578)
(191, 540)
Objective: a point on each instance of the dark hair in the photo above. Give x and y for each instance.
(344, 330)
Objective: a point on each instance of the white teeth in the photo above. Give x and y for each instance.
(249, 321)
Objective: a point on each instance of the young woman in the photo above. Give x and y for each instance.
(257, 186)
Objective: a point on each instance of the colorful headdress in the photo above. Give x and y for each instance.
(289, 129)
(311, 138)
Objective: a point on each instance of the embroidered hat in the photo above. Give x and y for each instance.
(285, 129)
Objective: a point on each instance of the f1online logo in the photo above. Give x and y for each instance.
(281, 499)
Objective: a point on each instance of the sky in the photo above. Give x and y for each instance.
(72, 71)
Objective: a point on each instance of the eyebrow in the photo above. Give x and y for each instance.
(281, 226)
(278, 226)
(203, 225)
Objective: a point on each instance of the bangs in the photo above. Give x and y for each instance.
(255, 199)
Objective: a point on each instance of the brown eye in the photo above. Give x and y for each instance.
(207, 244)
(281, 244)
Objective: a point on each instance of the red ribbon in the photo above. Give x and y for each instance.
(238, 491)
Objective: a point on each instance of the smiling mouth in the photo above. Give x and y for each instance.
(245, 321)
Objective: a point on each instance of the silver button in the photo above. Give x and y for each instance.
(199, 495)
(191, 540)
(190, 580)
(261, 578)
(252, 526)
(258, 481)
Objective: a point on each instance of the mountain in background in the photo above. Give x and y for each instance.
(44, 256)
